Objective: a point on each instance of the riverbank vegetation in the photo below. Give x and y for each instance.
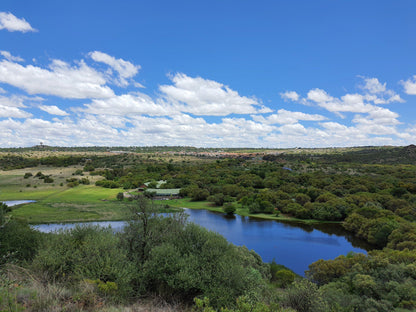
(371, 192)
(89, 267)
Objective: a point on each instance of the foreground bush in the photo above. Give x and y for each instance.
(88, 252)
(179, 261)
(18, 242)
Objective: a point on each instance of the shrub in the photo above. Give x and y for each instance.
(120, 196)
(199, 194)
(86, 252)
(179, 261)
(78, 172)
(84, 181)
(48, 179)
(303, 296)
(107, 184)
(284, 278)
(229, 208)
(17, 240)
(27, 175)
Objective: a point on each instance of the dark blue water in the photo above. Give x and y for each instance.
(293, 245)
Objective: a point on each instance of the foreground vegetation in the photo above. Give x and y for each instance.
(88, 268)
(371, 192)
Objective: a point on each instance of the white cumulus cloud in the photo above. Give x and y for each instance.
(290, 95)
(7, 55)
(128, 105)
(124, 68)
(373, 85)
(200, 96)
(11, 23)
(285, 117)
(14, 112)
(53, 110)
(76, 82)
(409, 85)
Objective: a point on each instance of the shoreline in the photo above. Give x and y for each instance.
(174, 204)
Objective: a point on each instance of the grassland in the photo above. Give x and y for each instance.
(59, 203)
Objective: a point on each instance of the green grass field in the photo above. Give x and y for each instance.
(56, 203)
(81, 203)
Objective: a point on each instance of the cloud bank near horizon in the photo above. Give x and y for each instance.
(96, 100)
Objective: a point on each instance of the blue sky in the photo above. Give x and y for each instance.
(207, 73)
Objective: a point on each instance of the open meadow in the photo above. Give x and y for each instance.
(56, 202)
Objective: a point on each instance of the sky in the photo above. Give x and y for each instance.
(218, 73)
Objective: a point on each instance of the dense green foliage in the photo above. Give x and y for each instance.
(383, 281)
(18, 242)
(371, 192)
(85, 253)
(180, 261)
(154, 255)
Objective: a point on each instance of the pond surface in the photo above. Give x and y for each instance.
(117, 226)
(293, 245)
(12, 203)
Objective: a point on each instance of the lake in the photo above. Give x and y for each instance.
(12, 203)
(293, 245)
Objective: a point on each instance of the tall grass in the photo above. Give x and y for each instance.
(21, 290)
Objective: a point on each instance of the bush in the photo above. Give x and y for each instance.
(78, 172)
(86, 252)
(229, 208)
(120, 196)
(303, 296)
(89, 167)
(200, 263)
(199, 194)
(48, 179)
(107, 184)
(84, 181)
(217, 199)
(179, 261)
(18, 241)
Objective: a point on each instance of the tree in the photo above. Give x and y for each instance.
(18, 241)
(120, 196)
(217, 199)
(147, 228)
(229, 208)
(199, 194)
(302, 199)
(284, 278)
(303, 296)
